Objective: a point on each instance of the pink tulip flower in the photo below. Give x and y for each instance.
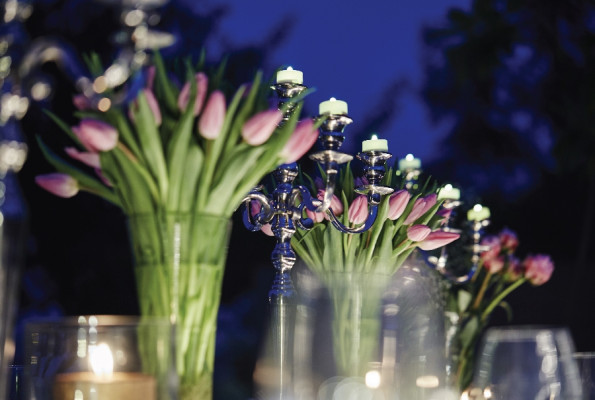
(202, 84)
(494, 265)
(96, 135)
(360, 182)
(151, 71)
(61, 185)
(416, 212)
(430, 202)
(81, 102)
(538, 269)
(397, 204)
(515, 269)
(314, 216)
(444, 213)
(508, 240)
(336, 204)
(417, 233)
(213, 116)
(358, 210)
(87, 158)
(437, 239)
(494, 244)
(302, 139)
(153, 106)
(255, 208)
(260, 127)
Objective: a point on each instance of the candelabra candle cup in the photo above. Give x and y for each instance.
(100, 357)
(449, 192)
(478, 213)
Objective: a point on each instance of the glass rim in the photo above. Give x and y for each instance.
(103, 321)
(584, 355)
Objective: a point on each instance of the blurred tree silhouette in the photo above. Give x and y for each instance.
(516, 78)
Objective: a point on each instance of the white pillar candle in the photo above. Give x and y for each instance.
(290, 75)
(375, 144)
(450, 193)
(332, 107)
(409, 162)
(478, 213)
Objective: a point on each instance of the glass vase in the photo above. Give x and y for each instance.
(180, 260)
(100, 357)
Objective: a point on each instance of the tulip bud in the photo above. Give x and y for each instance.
(360, 182)
(81, 102)
(515, 269)
(397, 204)
(267, 229)
(314, 216)
(358, 210)
(494, 244)
(538, 269)
(302, 139)
(151, 71)
(417, 233)
(336, 204)
(508, 240)
(319, 183)
(96, 135)
(61, 185)
(255, 208)
(260, 127)
(213, 116)
(101, 176)
(153, 105)
(416, 212)
(87, 158)
(444, 213)
(437, 239)
(202, 84)
(494, 265)
(430, 202)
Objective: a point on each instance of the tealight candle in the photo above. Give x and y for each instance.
(375, 144)
(333, 106)
(409, 162)
(449, 193)
(478, 213)
(290, 75)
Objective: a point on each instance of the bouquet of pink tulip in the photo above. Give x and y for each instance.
(499, 273)
(356, 267)
(178, 162)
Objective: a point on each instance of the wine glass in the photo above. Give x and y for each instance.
(526, 363)
(586, 368)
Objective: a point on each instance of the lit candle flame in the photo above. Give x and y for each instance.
(477, 207)
(333, 99)
(374, 137)
(373, 379)
(448, 187)
(409, 157)
(101, 359)
(289, 69)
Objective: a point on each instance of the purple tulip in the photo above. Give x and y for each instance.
(445, 213)
(437, 239)
(417, 233)
(87, 158)
(61, 185)
(153, 106)
(493, 242)
(515, 269)
(151, 71)
(416, 212)
(508, 240)
(202, 84)
(101, 176)
(397, 204)
(319, 183)
(360, 182)
(494, 265)
(302, 139)
(96, 135)
(538, 269)
(336, 204)
(81, 102)
(213, 116)
(430, 202)
(358, 210)
(260, 127)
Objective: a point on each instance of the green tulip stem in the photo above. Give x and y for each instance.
(501, 297)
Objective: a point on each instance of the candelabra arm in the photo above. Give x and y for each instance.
(254, 223)
(373, 213)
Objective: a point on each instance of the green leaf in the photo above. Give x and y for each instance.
(85, 181)
(139, 195)
(195, 159)
(119, 121)
(469, 331)
(245, 111)
(64, 127)
(464, 299)
(508, 310)
(151, 144)
(166, 92)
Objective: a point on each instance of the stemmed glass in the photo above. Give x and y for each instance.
(586, 368)
(526, 363)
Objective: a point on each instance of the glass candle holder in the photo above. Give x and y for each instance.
(100, 357)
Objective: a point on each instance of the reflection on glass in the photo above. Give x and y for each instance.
(527, 363)
(586, 367)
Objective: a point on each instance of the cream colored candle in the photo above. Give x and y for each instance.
(375, 144)
(450, 193)
(478, 213)
(290, 75)
(409, 162)
(333, 107)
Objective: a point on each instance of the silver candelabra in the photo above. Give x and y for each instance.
(284, 210)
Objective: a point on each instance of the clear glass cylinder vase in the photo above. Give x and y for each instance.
(180, 260)
(100, 357)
